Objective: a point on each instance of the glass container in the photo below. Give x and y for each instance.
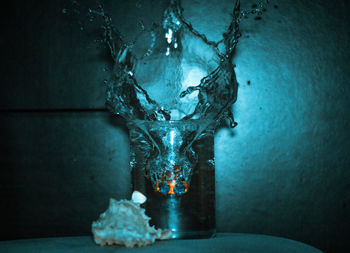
(172, 163)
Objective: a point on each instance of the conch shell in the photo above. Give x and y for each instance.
(125, 223)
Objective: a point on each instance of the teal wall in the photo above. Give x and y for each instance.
(283, 171)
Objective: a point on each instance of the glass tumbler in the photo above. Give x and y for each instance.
(172, 164)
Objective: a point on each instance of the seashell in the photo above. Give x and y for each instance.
(125, 223)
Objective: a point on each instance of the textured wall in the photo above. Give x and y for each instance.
(283, 171)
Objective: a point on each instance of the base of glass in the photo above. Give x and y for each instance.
(193, 234)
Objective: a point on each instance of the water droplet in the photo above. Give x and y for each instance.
(233, 124)
(211, 162)
(141, 25)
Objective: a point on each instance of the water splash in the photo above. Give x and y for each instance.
(172, 71)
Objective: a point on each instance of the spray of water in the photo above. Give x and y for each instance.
(171, 72)
(176, 73)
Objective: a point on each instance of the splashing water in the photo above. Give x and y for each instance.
(171, 72)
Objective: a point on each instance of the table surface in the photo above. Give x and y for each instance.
(223, 242)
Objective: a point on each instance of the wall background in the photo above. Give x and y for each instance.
(283, 171)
